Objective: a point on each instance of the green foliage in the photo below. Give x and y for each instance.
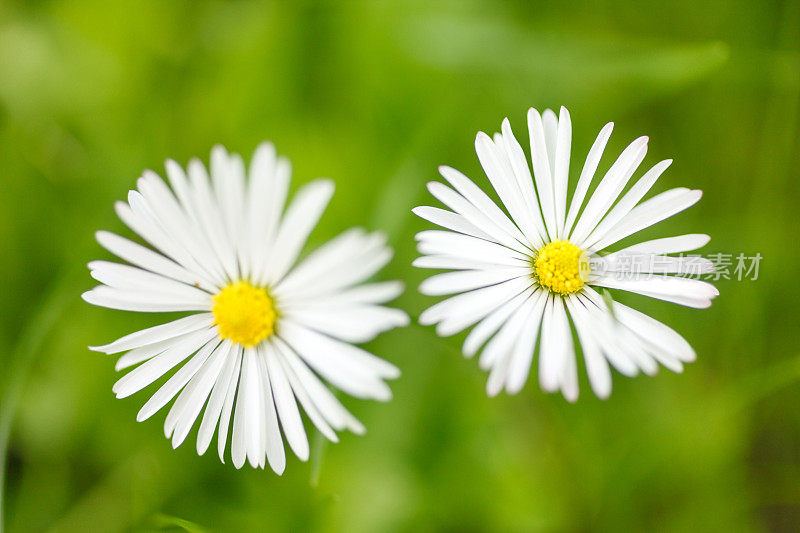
(375, 95)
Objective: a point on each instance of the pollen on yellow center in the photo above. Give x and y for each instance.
(561, 267)
(244, 314)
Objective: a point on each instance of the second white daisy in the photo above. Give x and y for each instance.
(264, 332)
(521, 275)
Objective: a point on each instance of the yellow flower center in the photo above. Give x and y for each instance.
(244, 313)
(561, 267)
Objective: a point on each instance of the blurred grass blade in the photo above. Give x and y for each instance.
(609, 300)
(318, 448)
(162, 521)
(21, 358)
(567, 66)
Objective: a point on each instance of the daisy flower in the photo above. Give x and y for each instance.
(523, 275)
(265, 329)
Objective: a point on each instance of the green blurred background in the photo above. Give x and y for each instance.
(375, 95)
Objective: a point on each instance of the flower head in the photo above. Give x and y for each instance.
(264, 327)
(523, 275)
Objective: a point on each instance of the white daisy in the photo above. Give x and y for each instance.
(263, 332)
(535, 267)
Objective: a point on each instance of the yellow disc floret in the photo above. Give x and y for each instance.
(244, 314)
(561, 267)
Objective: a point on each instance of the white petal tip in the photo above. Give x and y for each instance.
(603, 394)
(514, 389)
(425, 320)
(383, 396)
(482, 137)
(444, 169)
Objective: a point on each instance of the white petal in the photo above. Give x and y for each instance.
(502, 178)
(489, 325)
(655, 332)
(149, 260)
(446, 262)
(248, 413)
(345, 260)
(628, 202)
(227, 178)
(486, 216)
(197, 220)
(222, 382)
(270, 432)
(522, 357)
(499, 350)
(609, 189)
(561, 168)
(618, 342)
(333, 411)
(210, 218)
(462, 281)
(461, 311)
(668, 245)
(143, 224)
(589, 169)
(149, 302)
(683, 291)
(550, 124)
(227, 407)
(126, 277)
(143, 353)
(161, 204)
(597, 322)
(435, 242)
(542, 171)
(158, 333)
(368, 293)
(556, 347)
(522, 173)
(313, 412)
(350, 369)
(285, 402)
(650, 212)
(596, 364)
(297, 224)
(452, 221)
(193, 397)
(175, 383)
(156, 367)
(350, 323)
(624, 262)
(269, 184)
